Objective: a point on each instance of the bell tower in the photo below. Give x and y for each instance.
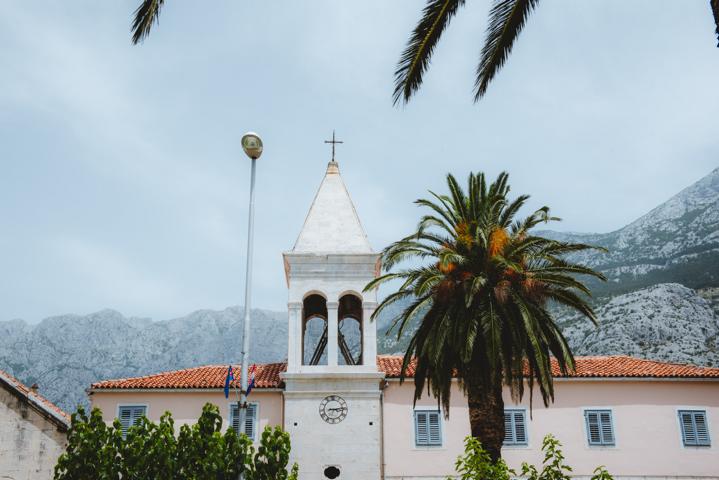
(332, 384)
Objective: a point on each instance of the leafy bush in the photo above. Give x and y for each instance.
(553, 467)
(476, 464)
(151, 451)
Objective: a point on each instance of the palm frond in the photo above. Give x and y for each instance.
(506, 20)
(147, 14)
(715, 10)
(416, 56)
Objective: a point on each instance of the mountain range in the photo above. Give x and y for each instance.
(661, 301)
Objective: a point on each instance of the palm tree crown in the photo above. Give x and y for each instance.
(481, 292)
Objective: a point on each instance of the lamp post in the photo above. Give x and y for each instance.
(252, 145)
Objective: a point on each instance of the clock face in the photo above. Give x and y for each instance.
(333, 409)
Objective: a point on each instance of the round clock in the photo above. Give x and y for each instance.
(333, 409)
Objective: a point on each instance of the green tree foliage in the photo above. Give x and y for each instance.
(553, 467)
(476, 464)
(480, 284)
(152, 451)
(601, 473)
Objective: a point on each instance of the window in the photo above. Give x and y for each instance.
(130, 415)
(515, 427)
(250, 420)
(600, 430)
(695, 431)
(427, 428)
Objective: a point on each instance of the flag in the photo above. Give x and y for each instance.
(252, 380)
(228, 379)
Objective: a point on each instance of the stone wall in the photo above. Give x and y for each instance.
(29, 443)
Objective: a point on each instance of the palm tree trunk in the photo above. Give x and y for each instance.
(486, 416)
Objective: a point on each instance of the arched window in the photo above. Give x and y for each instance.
(314, 330)
(349, 330)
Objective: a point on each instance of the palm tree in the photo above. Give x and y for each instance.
(480, 289)
(506, 20)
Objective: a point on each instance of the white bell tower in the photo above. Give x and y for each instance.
(332, 384)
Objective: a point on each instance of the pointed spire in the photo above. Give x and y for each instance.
(332, 224)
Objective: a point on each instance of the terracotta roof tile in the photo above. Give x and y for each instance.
(61, 418)
(208, 376)
(268, 375)
(618, 366)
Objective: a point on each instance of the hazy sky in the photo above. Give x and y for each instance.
(122, 180)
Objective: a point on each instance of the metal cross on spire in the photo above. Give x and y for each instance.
(333, 142)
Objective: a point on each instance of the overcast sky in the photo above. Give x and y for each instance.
(122, 180)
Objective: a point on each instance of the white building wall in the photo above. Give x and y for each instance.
(29, 443)
(353, 445)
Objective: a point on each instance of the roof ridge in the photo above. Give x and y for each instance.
(59, 416)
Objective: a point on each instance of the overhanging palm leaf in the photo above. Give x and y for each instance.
(715, 10)
(506, 21)
(147, 14)
(480, 300)
(415, 58)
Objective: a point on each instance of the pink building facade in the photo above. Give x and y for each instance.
(644, 399)
(349, 417)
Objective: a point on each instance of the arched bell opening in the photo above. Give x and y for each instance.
(349, 330)
(314, 330)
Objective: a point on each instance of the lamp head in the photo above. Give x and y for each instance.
(252, 145)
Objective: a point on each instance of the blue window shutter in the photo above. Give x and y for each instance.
(702, 429)
(129, 416)
(435, 428)
(695, 431)
(250, 420)
(235, 418)
(508, 428)
(600, 428)
(605, 419)
(520, 427)
(515, 427)
(421, 428)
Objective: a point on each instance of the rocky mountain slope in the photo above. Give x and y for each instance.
(65, 354)
(667, 321)
(678, 241)
(661, 302)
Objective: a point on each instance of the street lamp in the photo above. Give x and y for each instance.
(252, 145)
